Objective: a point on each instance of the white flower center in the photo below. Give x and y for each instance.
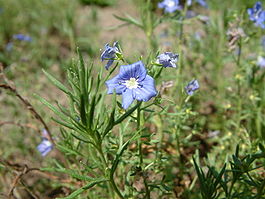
(132, 83)
(171, 4)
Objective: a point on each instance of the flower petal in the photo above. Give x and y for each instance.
(258, 6)
(114, 84)
(127, 98)
(45, 147)
(147, 91)
(135, 70)
(192, 86)
(168, 59)
(109, 63)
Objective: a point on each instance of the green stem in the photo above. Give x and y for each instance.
(147, 189)
(111, 179)
(115, 187)
(105, 166)
(109, 74)
(231, 188)
(139, 141)
(260, 190)
(239, 53)
(140, 150)
(180, 49)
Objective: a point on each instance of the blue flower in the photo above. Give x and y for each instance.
(45, 146)
(22, 37)
(192, 87)
(201, 2)
(170, 5)
(261, 62)
(109, 54)
(257, 15)
(168, 59)
(132, 83)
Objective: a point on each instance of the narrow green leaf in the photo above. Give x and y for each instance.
(64, 123)
(70, 172)
(121, 150)
(84, 188)
(53, 108)
(130, 20)
(125, 115)
(82, 73)
(219, 177)
(68, 150)
(83, 110)
(57, 83)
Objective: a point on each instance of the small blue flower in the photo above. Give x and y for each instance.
(170, 5)
(168, 59)
(22, 37)
(45, 146)
(257, 15)
(261, 62)
(109, 54)
(132, 83)
(201, 2)
(192, 87)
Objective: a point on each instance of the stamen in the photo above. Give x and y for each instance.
(132, 83)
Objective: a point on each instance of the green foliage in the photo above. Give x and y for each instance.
(99, 2)
(209, 145)
(236, 182)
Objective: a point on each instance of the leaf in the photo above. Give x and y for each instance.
(129, 19)
(57, 83)
(82, 74)
(83, 110)
(68, 150)
(64, 123)
(92, 111)
(125, 115)
(219, 179)
(121, 150)
(53, 108)
(111, 121)
(70, 172)
(199, 173)
(84, 188)
(82, 139)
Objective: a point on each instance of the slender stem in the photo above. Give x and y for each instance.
(109, 74)
(157, 74)
(105, 166)
(111, 177)
(251, 178)
(260, 190)
(102, 156)
(180, 48)
(147, 189)
(139, 141)
(239, 53)
(116, 188)
(140, 150)
(161, 137)
(231, 188)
